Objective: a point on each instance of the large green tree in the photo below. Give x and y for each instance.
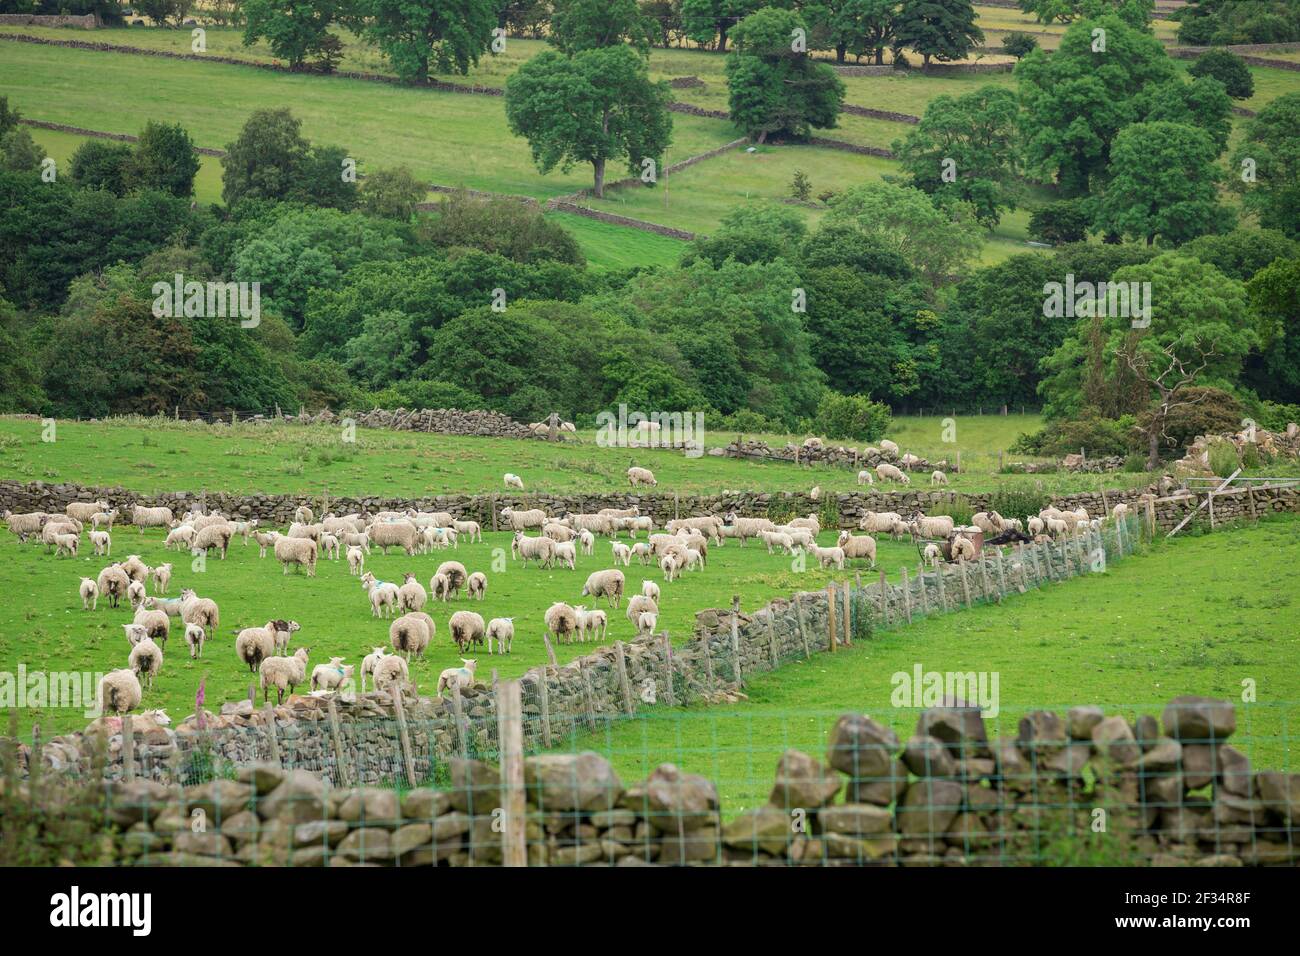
(423, 36)
(296, 30)
(937, 29)
(578, 25)
(163, 159)
(1267, 165)
(851, 26)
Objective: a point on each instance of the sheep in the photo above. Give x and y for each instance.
(857, 546)
(476, 585)
(212, 536)
(205, 521)
(113, 583)
(119, 691)
(194, 638)
(105, 518)
(502, 630)
(693, 539)
(356, 539)
(596, 524)
(390, 673)
(25, 525)
(283, 673)
(513, 481)
(470, 529)
(67, 544)
(440, 587)
(650, 589)
(456, 577)
(828, 556)
(888, 446)
(1035, 526)
(1057, 528)
(170, 606)
(368, 664)
(933, 555)
(411, 634)
(632, 512)
(646, 622)
(303, 515)
(523, 520)
(622, 553)
(963, 549)
(879, 522)
(331, 676)
(777, 539)
(146, 661)
(151, 517)
(245, 529)
(356, 560)
(888, 472)
(135, 569)
(586, 541)
(642, 552)
(937, 477)
(708, 525)
(816, 493)
(988, 522)
(670, 567)
(933, 526)
(536, 549)
(593, 620)
(282, 632)
(744, 528)
(558, 532)
(1119, 512)
(89, 592)
(640, 603)
(865, 477)
(253, 645)
(197, 610)
(162, 578)
(102, 541)
(135, 633)
(83, 511)
(462, 676)
(180, 537)
(297, 551)
(411, 596)
(135, 594)
(388, 534)
(641, 476)
(329, 544)
(156, 623)
(909, 460)
(561, 622)
(383, 595)
(466, 627)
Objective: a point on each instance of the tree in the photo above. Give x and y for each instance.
(707, 21)
(1134, 12)
(939, 29)
(1076, 101)
(19, 152)
(1018, 44)
(1163, 183)
(774, 87)
(98, 164)
(20, 377)
(1201, 103)
(965, 149)
(391, 193)
(1274, 293)
(596, 106)
(578, 25)
(326, 177)
(295, 29)
(1242, 253)
(758, 232)
(163, 159)
(9, 117)
(1229, 69)
(418, 36)
(266, 160)
(851, 26)
(1268, 165)
(1060, 222)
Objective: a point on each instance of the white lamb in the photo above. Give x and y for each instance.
(622, 553)
(194, 638)
(368, 664)
(646, 622)
(865, 477)
(502, 630)
(135, 594)
(592, 620)
(89, 592)
(513, 481)
(469, 529)
(331, 676)
(828, 556)
(641, 476)
(476, 586)
(932, 555)
(102, 541)
(938, 478)
(566, 554)
(650, 590)
(330, 545)
(668, 564)
(462, 676)
(383, 595)
(162, 578)
(587, 541)
(356, 560)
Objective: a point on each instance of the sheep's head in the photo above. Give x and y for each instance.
(301, 653)
(470, 663)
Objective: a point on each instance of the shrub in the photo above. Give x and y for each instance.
(1229, 69)
(800, 186)
(1276, 416)
(854, 417)
(1096, 435)
(1019, 502)
(745, 421)
(1019, 44)
(1059, 223)
(1214, 413)
(101, 165)
(1223, 457)
(959, 509)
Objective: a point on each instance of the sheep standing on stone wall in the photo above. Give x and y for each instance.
(284, 674)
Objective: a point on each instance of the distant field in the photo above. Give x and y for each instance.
(61, 146)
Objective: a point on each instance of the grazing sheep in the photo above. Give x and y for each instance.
(66, 544)
(938, 478)
(744, 528)
(932, 526)
(102, 541)
(476, 585)
(535, 549)
(213, 536)
(181, 537)
(151, 517)
(197, 610)
(388, 534)
(89, 592)
(640, 603)
(879, 522)
(331, 676)
(83, 511)
(297, 551)
(646, 622)
(622, 553)
(146, 661)
(254, 645)
(561, 622)
(888, 446)
(119, 691)
(778, 540)
(865, 477)
(113, 582)
(456, 577)
(593, 620)
(194, 638)
(513, 481)
(25, 525)
(608, 583)
(469, 529)
(558, 532)
(642, 552)
(909, 460)
(502, 630)
(135, 569)
(383, 595)
(411, 596)
(390, 673)
(933, 555)
(857, 546)
(828, 556)
(283, 673)
(641, 476)
(462, 676)
(523, 520)
(466, 628)
(368, 664)
(888, 472)
(283, 631)
(356, 560)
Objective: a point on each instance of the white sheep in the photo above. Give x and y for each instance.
(646, 622)
(470, 530)
(194, 638)
(816, 493)
(254, 645)
(440, 587)
(476, 586)
(213, 536)
(135, 569)
(330, 676)
(383, 595)
(146, 661)
(156, 622)
(105, 518)
(670, 567)
(513, 481)
(592, 620)
(558, 532)
(390, 673)
(162, 578)
(857, 546)
(102, 541)
(356, 560)
(283, 673)
(67, 544)
(777, 540)
(608, 583)
(296, 551)
(180, 537)
(638, 605)
(650, 589)
(641, 476)
(282, 632)
(932, 555)
(135, 594)
(1119, 512)
(329, 544)
(197, 610)
(119, 691)
(84, 510)
(523, 520)
(888, 446)
(622, 553)
(456, 576)
(561, 622)
(587, 541)
(462, 676)
(89, 592)
(865, 477)
(744, 528)
(411, 596)
(937, 477)
(1035, 526)
(502, 630)
(1057, 527)
(535, 549)
(388, 534)
(113, 583)
(466, 628)
(828, 556)
(963, 549)
(151, 517)
(931, 526)
(368, 664)
(642, 552)
(566, 554)
(357, 539)
(888, 472)
(303, 515)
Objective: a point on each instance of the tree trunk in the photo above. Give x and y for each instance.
(599, 190)
(880, 56)
(1153, 444)
(841, 51)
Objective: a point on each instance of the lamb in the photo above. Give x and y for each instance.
(470, 529)
(879, 522)
(356, 560)
(937, 477)
(857, 546)
(593, 620)
(513, 481)
(283, 673)
(1035, 526)
(135, 594)
(303, 515)
(212, 536)
(330, 545)
(639, 604)
(105, 518)
(800, 537)
(535, 549)
(523, 520)
(119, 691)
(502, 630)
(622, 553)
(102, 541)
(828, 556)
(456, 577)
(162, 578)
(244, 529)
(368, 664)
(85, 510)
(146, 661)
(297, 551)
(816, 493)
(135, 569)
(561, 622)
(778, 540)
(865, 477)
(708, 525)
(151, 517)
(253, 645)
(888, 446)
(383, 595)
(641, 476)
(440, 587)
(932, 555)
(558, 532)
(180, 537)
(1119, 512)
(390, 673)
(462, 676)
(25, 525)
(650, 589)
(670, 567)
(283, 631)
(67, 544)
(642, 552)
(170, 606)
(640, 523)
(331, 676)
(54, 529)
(888, 472)
(466, 627)
(112, 583)
(356, 539)
(411, 596)
(933, 526)
(197, 610)
(194, 638)
(646, 622)
(476, 585)
(1057, 527)
(963, 549)
(89, 592)
(587, 541)
(387, 534)
(693, 539)
(135, 633)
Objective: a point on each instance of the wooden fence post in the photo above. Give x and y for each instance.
(1002, 576)
(128, 749)
(404, 738)
(272, 736)
(510, 737)
(943, 594)
(669, 692)
(708, 666)
(965, 582)
(458, 714)
(830, 618)
(623, 684)
(588, 698)
(550, 651)
(884, 600)
(544, 692)
(337, 733)
(984, 575)
(925, 598)
(907, 596)
(848, 616)
(799, 619)
(735, 638)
